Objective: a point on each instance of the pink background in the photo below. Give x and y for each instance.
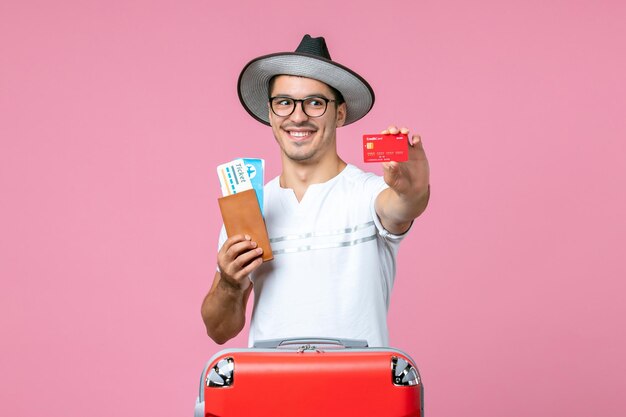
(114, 114)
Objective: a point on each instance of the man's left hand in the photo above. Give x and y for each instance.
(408, 179)
(409, 190)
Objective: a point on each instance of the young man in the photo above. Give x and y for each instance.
(334, 229)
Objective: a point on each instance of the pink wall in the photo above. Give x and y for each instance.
(114, 114)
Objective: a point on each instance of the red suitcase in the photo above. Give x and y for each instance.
(310, 377)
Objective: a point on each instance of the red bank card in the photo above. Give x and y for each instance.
(383, 148)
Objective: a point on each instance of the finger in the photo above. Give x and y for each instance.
(248, 269)
(229, 253)
(234, 240)
(226, 252)
(390, 166)
(416, 152)
(237, 268)
(240, 247)
(416, 141)
(246, 258)
(384, 132)
(404, 130)
(251, 265)
(392, 130)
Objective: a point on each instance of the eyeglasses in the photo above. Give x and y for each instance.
(311, 106)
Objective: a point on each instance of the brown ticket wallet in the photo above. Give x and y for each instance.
(242, 215)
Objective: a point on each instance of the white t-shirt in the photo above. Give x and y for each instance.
(334, 264)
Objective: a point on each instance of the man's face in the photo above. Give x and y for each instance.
(300, 137)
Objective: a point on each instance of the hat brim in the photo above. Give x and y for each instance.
(254, 79)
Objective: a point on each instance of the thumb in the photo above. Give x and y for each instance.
(390, 166)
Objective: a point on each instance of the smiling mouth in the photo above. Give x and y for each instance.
(300, 135)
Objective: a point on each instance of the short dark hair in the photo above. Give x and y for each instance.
(338, 97)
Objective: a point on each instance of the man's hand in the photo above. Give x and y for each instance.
(410, 178)
(409, 190)
(224, 307)
(237, 258)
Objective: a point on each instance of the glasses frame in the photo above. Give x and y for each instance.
(301, 101)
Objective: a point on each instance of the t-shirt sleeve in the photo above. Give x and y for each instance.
(222, 238)
(376, 185)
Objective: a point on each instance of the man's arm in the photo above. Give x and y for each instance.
(224, 307)
(409, 187)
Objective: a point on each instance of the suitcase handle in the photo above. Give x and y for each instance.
(275, 343)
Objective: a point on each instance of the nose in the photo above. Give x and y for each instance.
(298, 114)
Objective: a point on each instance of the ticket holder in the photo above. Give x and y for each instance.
(242, 215)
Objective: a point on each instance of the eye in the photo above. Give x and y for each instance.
(315, 102)
(282, 101)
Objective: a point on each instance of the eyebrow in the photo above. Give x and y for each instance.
(309, 96)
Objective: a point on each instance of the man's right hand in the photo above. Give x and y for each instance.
(237, 258)
(224, 307)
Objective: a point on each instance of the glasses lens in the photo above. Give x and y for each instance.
(282, 106)
(314, 106)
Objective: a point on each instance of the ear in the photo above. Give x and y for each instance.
(342, 111)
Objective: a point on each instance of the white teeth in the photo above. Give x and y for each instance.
(299, 134)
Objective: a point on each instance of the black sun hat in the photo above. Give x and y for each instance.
(312, 60)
